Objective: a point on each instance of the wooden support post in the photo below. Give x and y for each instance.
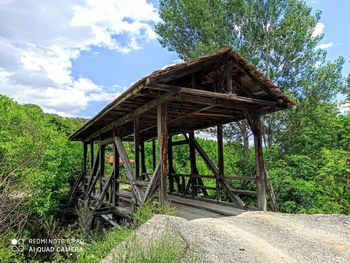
(229, 77)
(82, 175)
(152, 185)
(194, 171)
(255, 125)
(143, 160)
(128, 169)
(91, 156)
(154, 154)
(234, 197)
(94, 173)
(162, 118)
(220, 161)
(84, 170)
(102, 166)
(115, 183)
(104, 191)
(93, 184)
(171, 164)
(137, 148)
(260, 167)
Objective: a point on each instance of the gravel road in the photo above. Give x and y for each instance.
(259, 237)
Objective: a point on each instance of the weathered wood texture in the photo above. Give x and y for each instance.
(163, 149)
(198, 82)
(210, 91)
(220, 160)
(260, 168)
(115, 183)
(129, 171)
(137, 147)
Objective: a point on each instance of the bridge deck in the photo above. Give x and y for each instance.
(193, 208)
(186, 207)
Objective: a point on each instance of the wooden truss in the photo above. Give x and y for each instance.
(194, 96)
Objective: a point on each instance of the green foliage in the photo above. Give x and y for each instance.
(165, 250)
(310, 170)
(307, 147)
(97, 250)
(7, 255)
(35, 153)
(149, 209)
(274, 35)
(306, 185)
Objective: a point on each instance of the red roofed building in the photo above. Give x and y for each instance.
(110, 160)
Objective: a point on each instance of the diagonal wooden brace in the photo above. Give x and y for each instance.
(152, 185)
(129, 171)
(104, 191)
(235, 198)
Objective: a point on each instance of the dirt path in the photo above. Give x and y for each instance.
(260, 237)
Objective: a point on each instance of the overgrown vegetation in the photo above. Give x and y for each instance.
(98, 249)
(38, 163)
(307, 149)
(166, 249)
(149, 209)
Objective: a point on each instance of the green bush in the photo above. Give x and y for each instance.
(35, 154)
(97, 250)
(165, 250)
(149, 209)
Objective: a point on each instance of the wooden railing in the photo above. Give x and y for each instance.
(186, 188)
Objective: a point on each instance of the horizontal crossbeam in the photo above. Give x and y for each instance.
(210, 94)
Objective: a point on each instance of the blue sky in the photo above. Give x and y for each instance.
(336, 21)
(108, 67)
(74, 57)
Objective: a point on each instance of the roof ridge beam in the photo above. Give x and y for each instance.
(211, 94)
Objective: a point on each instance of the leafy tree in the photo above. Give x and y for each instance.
(306, 144)
(36, 156)
(274, 35)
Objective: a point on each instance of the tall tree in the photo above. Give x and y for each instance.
(278, 36)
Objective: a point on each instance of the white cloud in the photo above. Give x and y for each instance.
(325, 45)
(317, 64)
(39, 40)
(174, 62)
(319, 29)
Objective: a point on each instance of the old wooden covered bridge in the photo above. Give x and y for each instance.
(207, 92)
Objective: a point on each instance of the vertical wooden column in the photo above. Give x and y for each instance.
(260, 167)
(143, 160)
(137, 148)
(154, 154)
(115, 183)
(229, 78)
(102, 166)
(162, 117)
(192, 163)
(82, 177)
(220, 161)
(84, 164)
(171, 165)
(91, 156)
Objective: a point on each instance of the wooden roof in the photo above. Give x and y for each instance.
(211, 90)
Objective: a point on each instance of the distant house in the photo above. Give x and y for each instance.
(110, 160)
(345, 108)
